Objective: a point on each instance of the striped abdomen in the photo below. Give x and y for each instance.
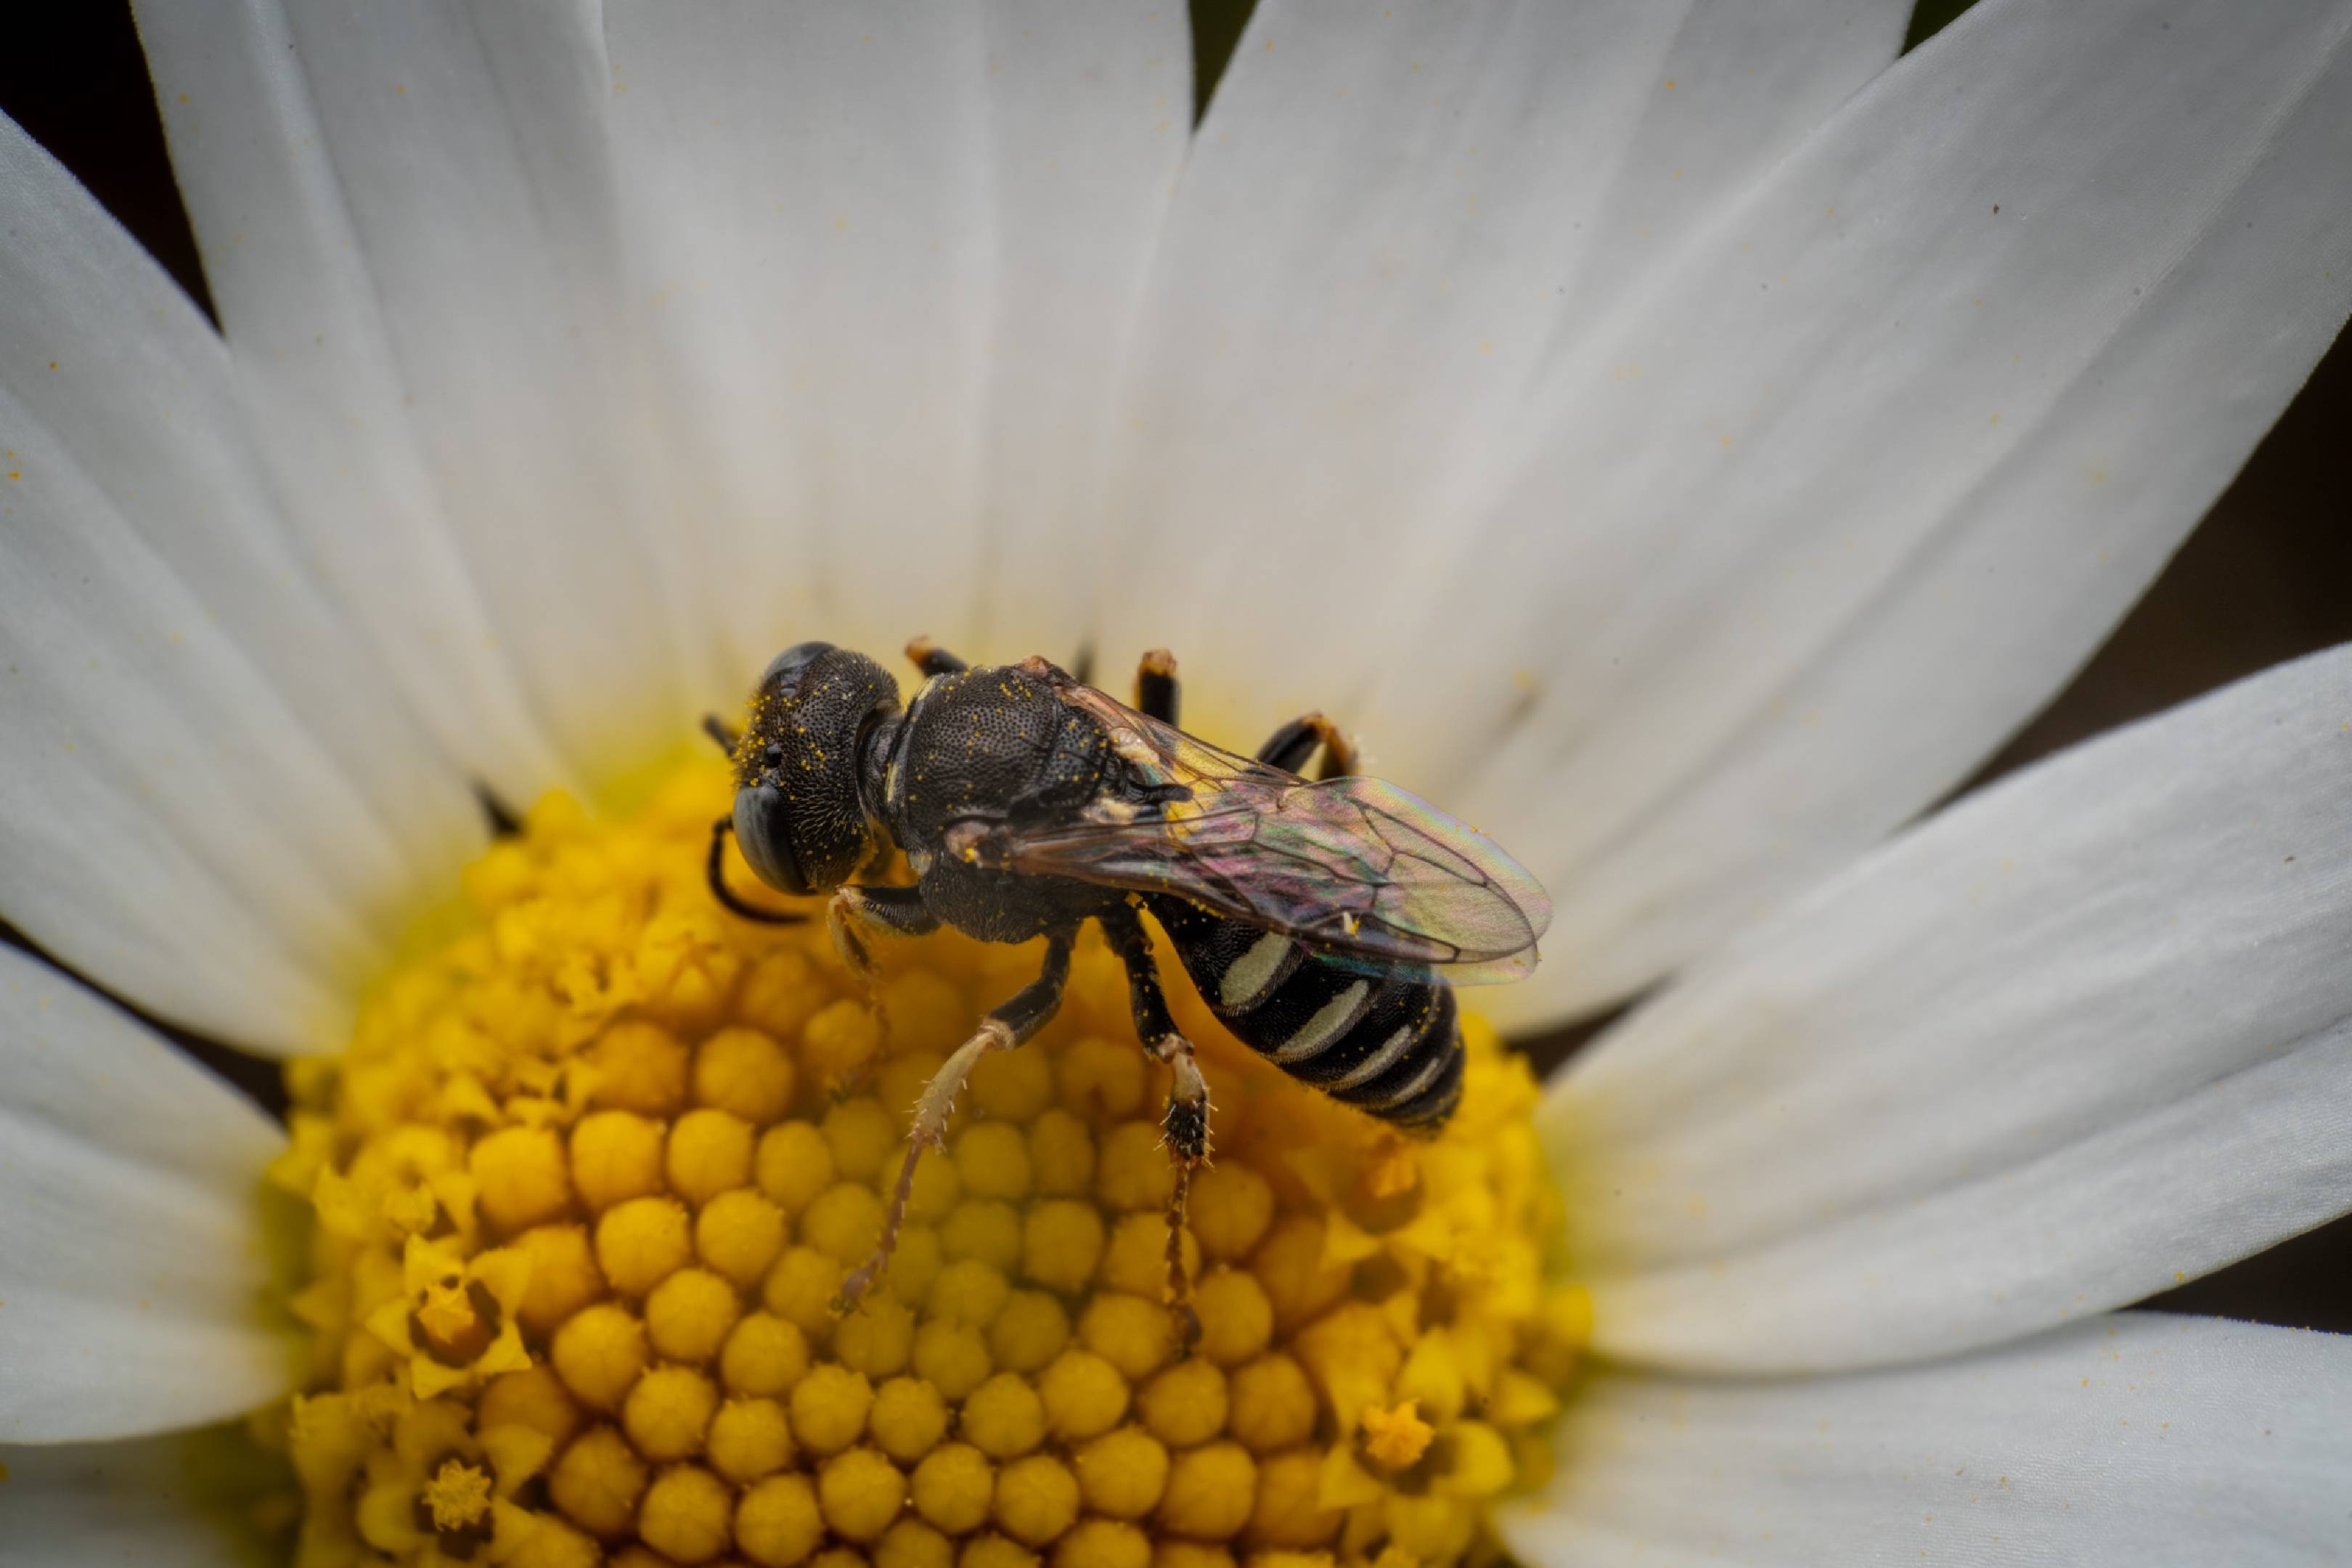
(1386, 1045)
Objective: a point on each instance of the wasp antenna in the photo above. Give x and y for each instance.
(715, 869)
(504, 823)
(720, 731)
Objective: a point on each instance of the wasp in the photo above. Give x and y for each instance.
(1322, 922)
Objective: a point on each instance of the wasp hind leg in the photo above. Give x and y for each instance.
(1185, 1123)
(1027, 1011)
(1289, 747)
(931, 659)
(1157, 695)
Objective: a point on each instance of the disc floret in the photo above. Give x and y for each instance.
(586, 1186)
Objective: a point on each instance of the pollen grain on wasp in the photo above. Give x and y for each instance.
(587, 1183)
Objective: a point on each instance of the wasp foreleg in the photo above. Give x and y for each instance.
(895, 911)
(1185, 1123)
(1289, 747)
(891, 911)
(1027, 1011)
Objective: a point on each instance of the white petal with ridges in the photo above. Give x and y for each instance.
(135, 1274)
(893, 254)
(1391, 212)
(2135, 1439)
(183, 1500)
(2080, 1036)
(1842, 493)
(406, 219)
(214, 799)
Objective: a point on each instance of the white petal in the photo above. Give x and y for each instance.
(2080, 1036)
(1390, 211)
(894, 252)
(1839, 496)
(178, 1501)
(212, 799)
(406, 218)
(2139, 1438)
(135, 1278)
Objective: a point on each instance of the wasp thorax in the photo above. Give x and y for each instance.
(800, 814)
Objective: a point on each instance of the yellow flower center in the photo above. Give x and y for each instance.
(586, 1184)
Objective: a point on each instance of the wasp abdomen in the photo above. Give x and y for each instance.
(1386, 1044)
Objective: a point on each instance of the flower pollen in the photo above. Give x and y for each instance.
(1396, 1438)
(586, 1184)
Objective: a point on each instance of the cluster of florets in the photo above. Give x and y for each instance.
(586, 1185)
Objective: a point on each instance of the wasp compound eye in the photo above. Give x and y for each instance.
(764, 829)
(798, 814)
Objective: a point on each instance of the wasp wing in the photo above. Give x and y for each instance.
(1355, 866)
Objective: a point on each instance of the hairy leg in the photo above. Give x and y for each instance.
(1185, 1123)
(1007, 1026)
(854, 913)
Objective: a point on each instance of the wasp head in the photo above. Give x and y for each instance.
(800, 814)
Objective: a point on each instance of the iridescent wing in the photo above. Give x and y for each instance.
(1354, 867)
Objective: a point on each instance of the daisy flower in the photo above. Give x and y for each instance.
(1682, 440)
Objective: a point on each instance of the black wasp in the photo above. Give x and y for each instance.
(1320, 920)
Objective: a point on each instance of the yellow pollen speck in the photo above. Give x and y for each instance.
(588, 1179)
(1397, 1437)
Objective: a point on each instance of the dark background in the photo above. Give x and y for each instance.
(2264, 578)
